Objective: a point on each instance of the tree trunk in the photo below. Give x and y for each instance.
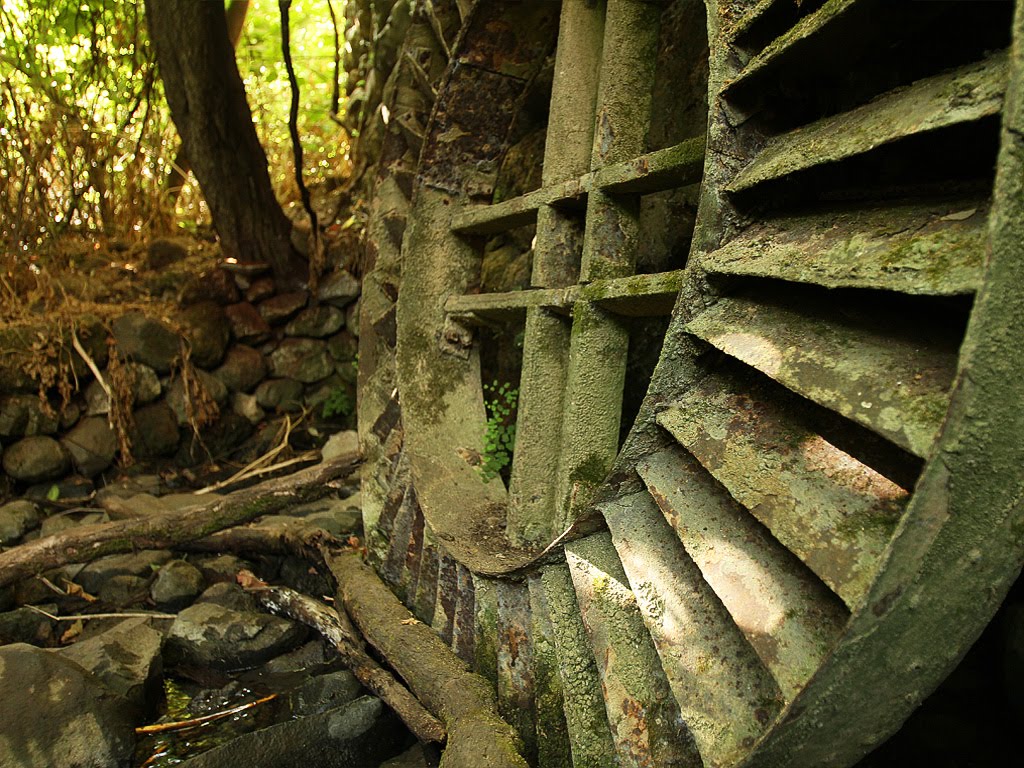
(207, 101)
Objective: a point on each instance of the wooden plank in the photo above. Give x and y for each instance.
(876, 368)
(933, 249)
(962, 95)
(676, 166)
(725, 694)
(590, 736)
(637, 295)
(510, 306)
(788, 616)
(834, 513)
(553, 749)
(645, 719)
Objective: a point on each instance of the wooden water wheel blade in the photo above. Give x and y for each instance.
(519, 211)
(726, 696)
(586, 720)
(553, 745)
(932, 249)
(447, 595)
(962, 95)
(875, 368)
(515, 663)
(424, 599)
(833, 512)
(787, 615)
(644, 716)
(463, 637)
(807, 27)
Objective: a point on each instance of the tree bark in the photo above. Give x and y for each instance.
(207, 101)
(166, 529)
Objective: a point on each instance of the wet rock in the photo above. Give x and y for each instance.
(55, 714)
(207, 330)
(243, 368)
(92, 446)
(24, 625)
(55, 524)
(155, 433)
(319, 322)
(228, 594)
(282, 307)
(16, 519)
(283, 395)
(259, 289)
(126, 659)
(324, 692)
(34, 459)
(176, 585)
(220, 568)
(26, 416)
(145, 386)
(69, 415)
(248, 407)
(211, 285)
(340, 443)
(218, 439)
(411, 758)
(305, 360)
(339, 288)
(246, 323)
(146, 340)
(309, 659)
(141, 564)
(124, 590)
(165, 251)
(207, 634)
(70, 488)
(176, 394)
(360, 733)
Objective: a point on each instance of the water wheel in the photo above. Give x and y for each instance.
(815, 509)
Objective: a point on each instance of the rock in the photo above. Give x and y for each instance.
(126, 487)
(332, 398)
(24, 625)
(1013, 657)
(360, 733)
(243, 368)
(260, 289)
(339, 444)
(228, 594)
(411, 758)
(298, 574)
(141, 564)
(309, 659)
(283, 395)
(69, 415)
(177, 584)
(352, 318)
(176, 394)
(55, 714)
(70, 488)
(218, 439)
(55, 524)
(339, 288)
(145, 389)
(16, 519)
(26, 416)
(220, 568)
(207, 634)
(34, 459)
(146, 340)
(215, 285)
(319, 322)
(304, 360)
(126, 659)
(123, 590)
(92, 445)
(165, 251)
(343, 346)
(207, 330)
(247, 325)
(248, 407)
(155, 432)
(280, 308)
(319, 694)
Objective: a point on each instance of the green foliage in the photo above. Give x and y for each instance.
(338, 403)
(500, 401)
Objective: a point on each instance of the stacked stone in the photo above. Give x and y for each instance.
(258, 353)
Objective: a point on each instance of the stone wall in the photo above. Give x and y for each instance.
(253, 353)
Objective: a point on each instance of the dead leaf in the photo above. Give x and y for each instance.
(959, 215)
(407, 622)
(76, 590)
(72, 632)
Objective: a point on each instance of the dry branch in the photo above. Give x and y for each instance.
(167, 529)
(338, 631)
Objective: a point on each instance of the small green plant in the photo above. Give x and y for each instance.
(500, 400)
(338, 403)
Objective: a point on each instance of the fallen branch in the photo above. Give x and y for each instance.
(184, 725)
(477, 735)
(90, 616)
(339, 632)
(167, 529)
